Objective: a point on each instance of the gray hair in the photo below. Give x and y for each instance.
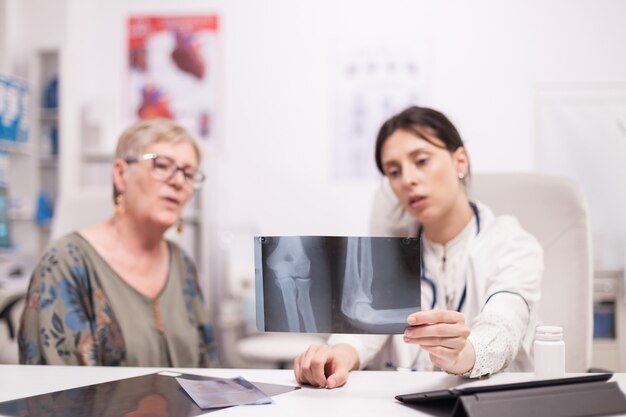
(138, 136)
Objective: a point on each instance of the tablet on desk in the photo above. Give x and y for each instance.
(152, 394)
(453, 393)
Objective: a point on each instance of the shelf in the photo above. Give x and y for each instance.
(609, 352)
(605, 343)
(605, 273)
(190, 219)
(48, 161)
(98, 157)
(48, 114)
(16, 148)
(21, 214)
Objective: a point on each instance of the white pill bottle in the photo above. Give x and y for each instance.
(549, 352)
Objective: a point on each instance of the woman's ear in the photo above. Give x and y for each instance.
(119, 170)
(461, 162)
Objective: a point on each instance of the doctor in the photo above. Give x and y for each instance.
(480, 278)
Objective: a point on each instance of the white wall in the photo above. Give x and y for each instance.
(3, 36)
(271, 168)
(8, 29)
(276, 92)
(27, 26)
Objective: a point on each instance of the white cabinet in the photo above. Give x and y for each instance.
(32, 173)
(45, 138)
(609, 344)
(22, 190)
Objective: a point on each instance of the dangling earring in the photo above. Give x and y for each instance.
(181, 227)
(119, 208)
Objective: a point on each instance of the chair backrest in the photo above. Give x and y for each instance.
(553, 209)
(75, 212)
(11, 307)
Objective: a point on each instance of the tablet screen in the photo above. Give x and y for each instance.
(446, 394)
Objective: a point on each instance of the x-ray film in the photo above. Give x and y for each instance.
(223, 392)
(336, 284)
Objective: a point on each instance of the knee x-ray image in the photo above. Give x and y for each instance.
(336, 284)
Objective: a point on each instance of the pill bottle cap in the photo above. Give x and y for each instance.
(547, 333)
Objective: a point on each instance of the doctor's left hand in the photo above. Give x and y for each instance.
(443, 334)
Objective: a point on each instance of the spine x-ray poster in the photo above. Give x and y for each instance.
(328, 284)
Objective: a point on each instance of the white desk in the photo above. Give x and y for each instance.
(367, 393)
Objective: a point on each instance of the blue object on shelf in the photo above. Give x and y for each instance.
(54, 140)
(52, 93)
(44, 212)
(604, 320)
(13, 109)
(5, 237)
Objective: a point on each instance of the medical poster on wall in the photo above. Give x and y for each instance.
(172, 65)
(336, 284)
(372, 83)
(13, 109)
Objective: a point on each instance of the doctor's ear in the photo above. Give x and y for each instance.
(461, 162)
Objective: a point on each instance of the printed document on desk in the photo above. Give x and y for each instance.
(336, 284)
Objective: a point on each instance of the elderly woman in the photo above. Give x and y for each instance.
(118, 292)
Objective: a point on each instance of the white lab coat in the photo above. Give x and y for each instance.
(503, 270)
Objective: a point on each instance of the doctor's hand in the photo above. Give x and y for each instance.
(326, 366)
(443, 334)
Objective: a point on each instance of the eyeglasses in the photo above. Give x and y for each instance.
(164, 168)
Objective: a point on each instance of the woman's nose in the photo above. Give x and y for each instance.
(178, 178)
(410, 176)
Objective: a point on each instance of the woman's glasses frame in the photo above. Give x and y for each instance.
(164, 168)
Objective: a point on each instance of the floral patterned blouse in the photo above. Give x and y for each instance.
(80, 312)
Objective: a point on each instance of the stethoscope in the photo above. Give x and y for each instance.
(423, 276)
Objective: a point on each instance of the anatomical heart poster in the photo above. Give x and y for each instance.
(172, 69)
(336, 284)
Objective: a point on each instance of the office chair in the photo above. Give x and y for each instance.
(553, 209)
(80, 210)
(71, 213)
(6, 313)
(10, 312)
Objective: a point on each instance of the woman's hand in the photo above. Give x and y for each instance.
(443, 334)
(326, 366)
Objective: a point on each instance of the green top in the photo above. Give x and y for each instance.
(156, 332)
(80, 311)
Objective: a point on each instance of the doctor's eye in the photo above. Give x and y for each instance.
(422, 161)
(393, 173)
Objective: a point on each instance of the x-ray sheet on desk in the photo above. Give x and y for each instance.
(336, 284)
